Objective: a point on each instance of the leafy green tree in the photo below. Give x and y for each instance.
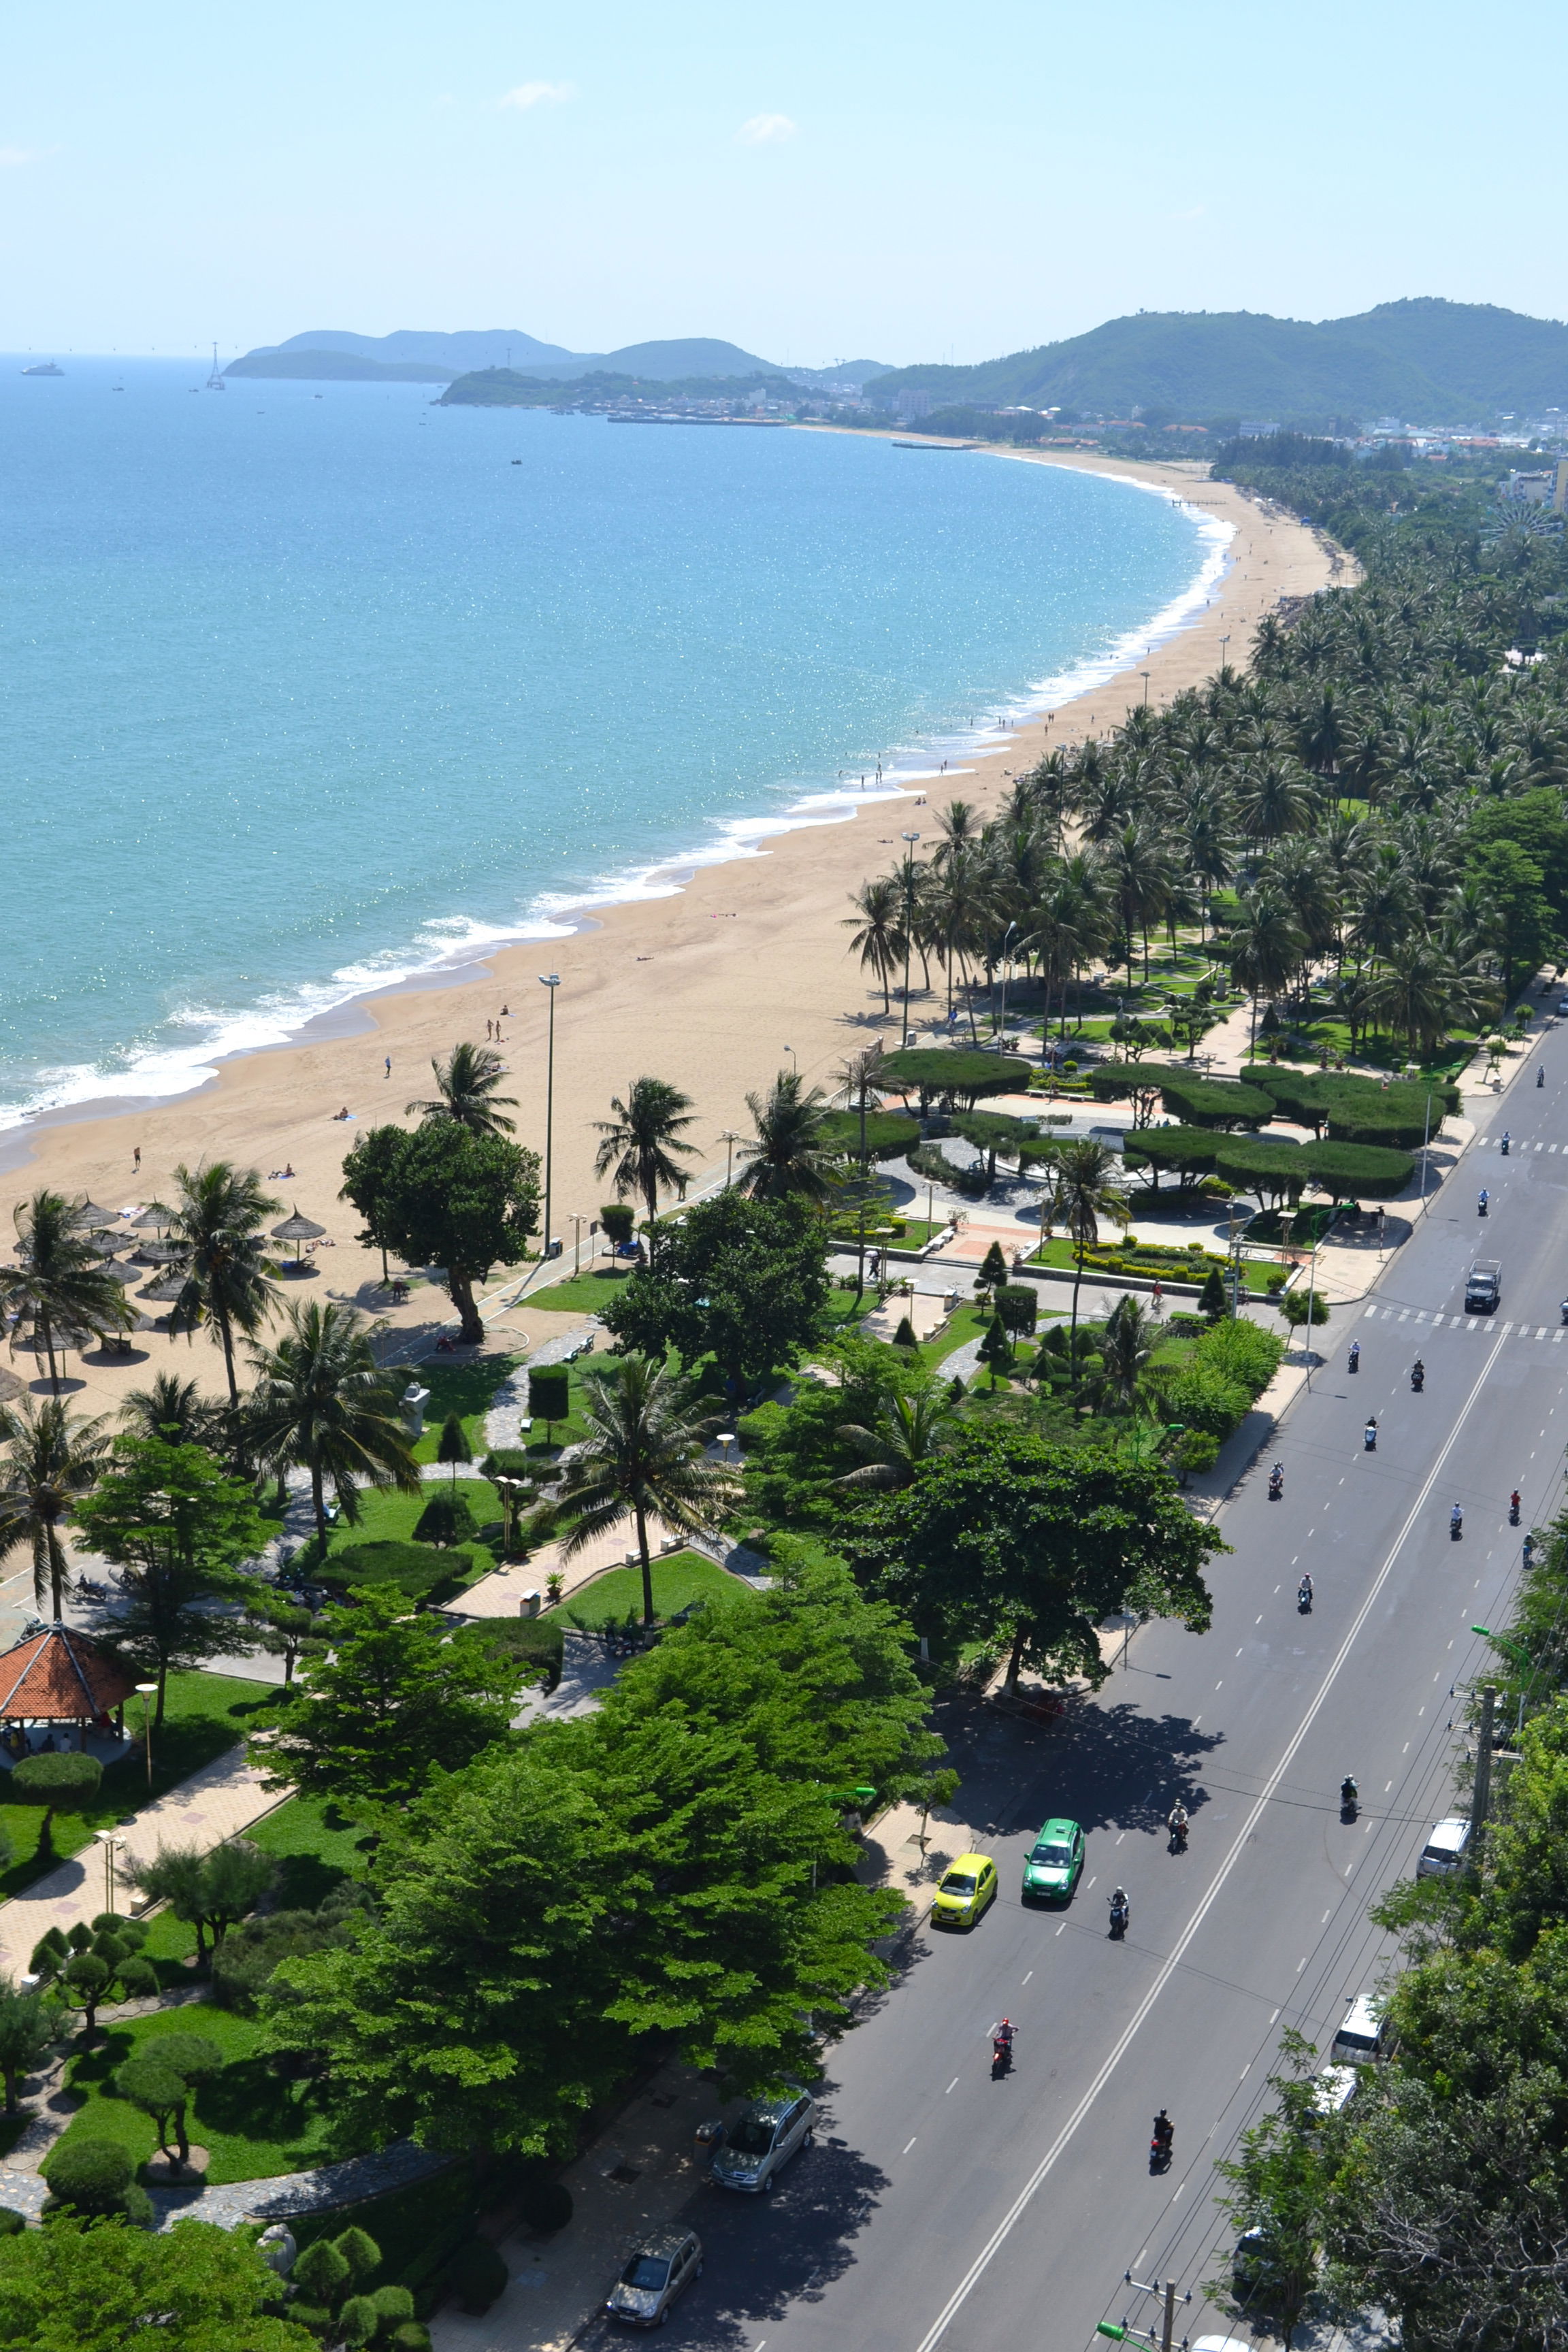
(790, 1156)
(178, 1529)
(643, 1455)
(1006, 1533)
(459, 1201)
(94, 2177)
(63, 1783)
(639, 1143)
(700, 1884)
(162, 2079)
(85, 2286)
(996, 1348)
(323, 1404)
(390, 1704)
(1524, 925)
(445, 1520)
(1300, 1308)
(51, 1459)
(216, 1226)
(452, 1446)
(465, 1092)
(744, 1280)
(368, 1185)
(1283, 2181)
(1214, 1299)
(992, 1267)
(28, 2023)
(58, 1285)
(208, 1891)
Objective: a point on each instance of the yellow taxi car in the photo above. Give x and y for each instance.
(966, 1890)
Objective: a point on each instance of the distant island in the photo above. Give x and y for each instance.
(505, 388)
(333, 356)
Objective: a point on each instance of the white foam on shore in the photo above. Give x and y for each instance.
(450, 941)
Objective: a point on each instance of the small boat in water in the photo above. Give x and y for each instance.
(47, 368)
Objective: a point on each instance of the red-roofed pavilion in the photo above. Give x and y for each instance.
(59, 1677)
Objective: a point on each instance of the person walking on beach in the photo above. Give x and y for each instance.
(136, 1157)
(389, 1066)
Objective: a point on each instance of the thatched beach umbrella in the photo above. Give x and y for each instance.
(297, 1230)
(154, 1219)
(157, 1253)
(166, 1288)
(91, 1216)
(119, 1273)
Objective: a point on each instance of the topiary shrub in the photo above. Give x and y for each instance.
(413, 1568)
(447, 1519)
(94, 2177)
(1019, 1304)
(904, 1337)
(619, 1220)
(478, 2275)
(1214, 1299)
(11, 2221)
(546, 2205)
(549, 1392)
(1358, 1171)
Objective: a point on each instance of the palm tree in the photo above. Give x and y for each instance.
(323, 1404)
(58, 1285)
(52, 1459)
(907, 1432)
(643, 1457)
(858, 1076)
(1273, 797)
(880, 938)
(173, 1409)
(465, 1092)
(217, 1228)
(787, 1157)
(638, 1141)
(1132, 1334)
(1266, 946)
(1422, 991)
(1082, 1190)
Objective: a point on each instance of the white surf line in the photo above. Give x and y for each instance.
(1005, 2228)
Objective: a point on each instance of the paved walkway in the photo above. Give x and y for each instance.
(218, 1802)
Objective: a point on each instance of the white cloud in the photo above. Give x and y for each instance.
(765, 131)
(538, 93)
(12, 158)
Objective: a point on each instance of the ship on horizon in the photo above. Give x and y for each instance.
(45, 367)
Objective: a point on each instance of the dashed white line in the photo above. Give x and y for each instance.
(952, 2087)
(908, 2145)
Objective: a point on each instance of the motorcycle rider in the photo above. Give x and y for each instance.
(1482, 1200)
(1456, 1519)
(1002, 2038)
(1176, 1821)
(1304, 1590)
(1417, 1373)
(1369, 1435)
(1513, 1508)
(1350, 1795)
(1540, 1078)
(1164, 2132)
(1355, 1356)
(1119, 1908)
(1505, 1143)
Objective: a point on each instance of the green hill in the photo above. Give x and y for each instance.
(1429, 362)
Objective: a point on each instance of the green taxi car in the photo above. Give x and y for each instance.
(1054, 1864)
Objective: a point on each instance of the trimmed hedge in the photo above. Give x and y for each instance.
(415, 1568)
(549, 1392)
(1271, 1167)
(953, 1074)
(536, 1640)
(889, 1133)
(1188, 1150)
(1213, 1102)
(1355, 1109)
(1358, 1171)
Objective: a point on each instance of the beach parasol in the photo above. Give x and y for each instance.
(154, 1219)
(109, 1244)
(157, 1253)
(88, 1214)
(118, 1273)
(10, 1387)
(167, 1286)
(297, 1229)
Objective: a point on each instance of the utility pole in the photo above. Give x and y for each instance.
(1127, 2333)
(911, 839)
(1480, 1804)
(551, 981)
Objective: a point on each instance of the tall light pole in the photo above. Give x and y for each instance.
(729, 1140)
(1005, 936)
(910, 840)
(551, 981)
(1144, 676)
(795, 1059)
(579, 1219)
(1224, 656)
(107, 1841)
(146, 1693)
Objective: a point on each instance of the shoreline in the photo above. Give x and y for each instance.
(651, 983)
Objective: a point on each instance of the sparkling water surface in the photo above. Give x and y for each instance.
(303, 693)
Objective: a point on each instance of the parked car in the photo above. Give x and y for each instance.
(1333, 2089)
(1054, 1862)
(1362, 2036)
(761, 2141)
(659, 2268)
(1444, 1850)
(966, 1890)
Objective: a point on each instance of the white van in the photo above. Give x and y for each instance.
(1333, 2089)
(1444, 1852)
(1362, 2036)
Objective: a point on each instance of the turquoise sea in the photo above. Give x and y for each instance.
(302, 692)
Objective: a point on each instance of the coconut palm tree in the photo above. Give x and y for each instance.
(1422, 992)
(1266, 946)
(58, 1285)
(323, 1404)
(173, 1409)
(880, 938)
(643, 1457)
(1273, 797)
(52, 1458)
(640, 1138)
(1082, 1189)
(1126, 1349)
(787, 1157)
(465, 1092)
(907, 1431)
(217, 1228)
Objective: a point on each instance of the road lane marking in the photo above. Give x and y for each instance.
(1178, 1952)
(908, 2145)
(1031, 1971)
(952, 2087)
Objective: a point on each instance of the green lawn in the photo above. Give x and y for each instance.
(580, 1294)
(385, 1516)
(203, 1715)
(684, 1576)
(252, 2123)
(466, 1390)
(315, 1845)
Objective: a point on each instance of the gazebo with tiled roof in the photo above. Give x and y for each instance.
(58, 1676)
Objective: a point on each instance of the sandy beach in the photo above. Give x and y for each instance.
(707, 988)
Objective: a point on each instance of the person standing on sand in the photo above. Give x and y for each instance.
(136, 1157)
(389, 1066)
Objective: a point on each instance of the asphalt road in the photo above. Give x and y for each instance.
(939, 2206)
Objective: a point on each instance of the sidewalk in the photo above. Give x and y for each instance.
(218, 1802)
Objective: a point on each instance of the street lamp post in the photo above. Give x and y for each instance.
(1144, 676)
(146, 1693)
(107, 1841)
(795, 1059)
(1224, 656)
(910, 840)
(1005, 936)
(729, 1140)
(579, 1219)
(551, 981)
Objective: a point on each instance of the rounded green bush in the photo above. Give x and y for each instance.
(547, 2205)
(11, 2221)
(478, 2275)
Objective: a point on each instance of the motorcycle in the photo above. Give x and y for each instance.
(1513, 1508)
(1159, 2149)
(1369, 1437)
(1455, 1523)
(1350, 1800)
(1304, 1596)
(1276, 1485)
(1001, 2056)
(1540, 1078)
(1481, 1206)
(1418, 1373)
(1504, 1145)
(1119, 1915)
(1178, 1837)
(1354, 1358)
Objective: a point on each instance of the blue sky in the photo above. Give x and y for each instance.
(896, 181)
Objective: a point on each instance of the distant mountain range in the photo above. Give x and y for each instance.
(1426, 361)
(327, 355)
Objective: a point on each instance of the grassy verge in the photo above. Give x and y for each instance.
(581, 1294)
(466, 1390)
(252, 2124)
(678, 1581)
(386, 1517)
